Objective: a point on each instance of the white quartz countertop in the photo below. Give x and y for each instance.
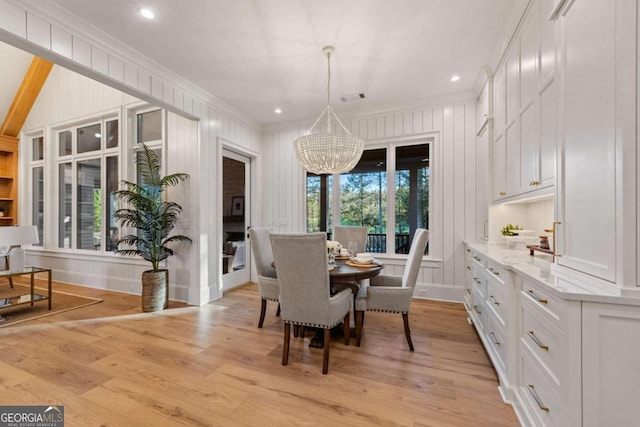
(541, 270)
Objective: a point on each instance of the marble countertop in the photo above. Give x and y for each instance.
(541, 270)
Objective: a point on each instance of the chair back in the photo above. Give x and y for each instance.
(303, 276)
(418, 245)
(262, 253)
(344, 235)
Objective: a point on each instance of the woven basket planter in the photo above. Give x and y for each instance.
(154, 290)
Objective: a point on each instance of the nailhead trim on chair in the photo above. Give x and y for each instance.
(313, 325)
(270, 299)
(386, 311)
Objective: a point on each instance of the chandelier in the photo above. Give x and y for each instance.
(329, 148)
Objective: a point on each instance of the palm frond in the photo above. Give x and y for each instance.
(145, 211)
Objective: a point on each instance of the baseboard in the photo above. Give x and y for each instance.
(439, 292)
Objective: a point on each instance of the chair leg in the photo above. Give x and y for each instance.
(347, 331)
(296, 329)
(359, 322)
(10, 282)
(325, 358)
(285, 348)
(407, 332)
(263, 310)
(278, 310)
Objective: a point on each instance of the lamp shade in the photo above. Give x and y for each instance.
(19, 235)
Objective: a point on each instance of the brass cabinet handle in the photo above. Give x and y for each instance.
(468, 268)
(475, 307)
(540, 300)
(478, 281)
(469, 291)
(477, 258)
(497, 273)
(537, 399)
(493, 300)
(469, 250)
(502, 193)
(554, 237)
(537, 340)
(493, 338)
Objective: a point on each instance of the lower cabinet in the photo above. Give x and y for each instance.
(561, 359)
(610, 355)
(549, 368)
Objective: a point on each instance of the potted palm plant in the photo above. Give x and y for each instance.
(154, 218)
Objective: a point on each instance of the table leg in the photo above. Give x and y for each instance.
(49, 288)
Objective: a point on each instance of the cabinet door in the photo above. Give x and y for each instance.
(482, 171)
(548, 134)
(610, 349)
(512, 144)
(499, 168)
(587, 196)
(499, 102)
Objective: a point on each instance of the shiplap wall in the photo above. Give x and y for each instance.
(455, 127)
(46, 31)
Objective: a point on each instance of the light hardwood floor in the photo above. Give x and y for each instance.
(211, 365)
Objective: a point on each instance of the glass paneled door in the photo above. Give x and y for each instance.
(236, 197)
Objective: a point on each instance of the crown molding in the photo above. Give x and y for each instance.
(356, 114)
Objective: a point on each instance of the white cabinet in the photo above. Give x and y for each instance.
(549, 367)
(598, 137)
(490, 302)
(610, 352)
(482, 162)
(525, 109)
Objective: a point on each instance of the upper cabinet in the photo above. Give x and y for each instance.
(597, 194)
(525, 109)
(482, 160)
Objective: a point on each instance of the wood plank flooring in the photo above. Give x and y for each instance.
(211, 365)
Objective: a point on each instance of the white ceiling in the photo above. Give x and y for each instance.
(261, 54)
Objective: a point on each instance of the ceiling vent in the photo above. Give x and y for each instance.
(352, 97)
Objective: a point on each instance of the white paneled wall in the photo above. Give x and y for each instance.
(46, 31)
(454, 126)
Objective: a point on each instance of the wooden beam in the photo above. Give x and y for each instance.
(33, 81)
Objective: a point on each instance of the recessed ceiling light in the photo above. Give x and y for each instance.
(277, 111)
(147, 13)
(455, 78)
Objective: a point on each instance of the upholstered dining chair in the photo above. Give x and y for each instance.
(305, 300)
(344, 235)
(393, 294)
(267, 279)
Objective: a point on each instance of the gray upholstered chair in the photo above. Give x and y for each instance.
(393, 294)
(305, 300)
(267, 280)
(344, 235)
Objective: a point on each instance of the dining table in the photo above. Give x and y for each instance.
(346, 273)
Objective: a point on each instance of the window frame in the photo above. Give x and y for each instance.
(435, 190)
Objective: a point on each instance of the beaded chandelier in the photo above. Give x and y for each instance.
(329, 148)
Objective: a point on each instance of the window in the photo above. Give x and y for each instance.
(36, 166)
(87, 172)
(84, 162)
(391, 180)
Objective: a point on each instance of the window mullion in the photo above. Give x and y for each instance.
(391, 200)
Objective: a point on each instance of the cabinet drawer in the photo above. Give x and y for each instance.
(545, 341)
(499, 273)
(479, 259)
(479, 284)
(497, 341)
(554, 309)
(538, 395)
(497, 300)
(478, 309)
